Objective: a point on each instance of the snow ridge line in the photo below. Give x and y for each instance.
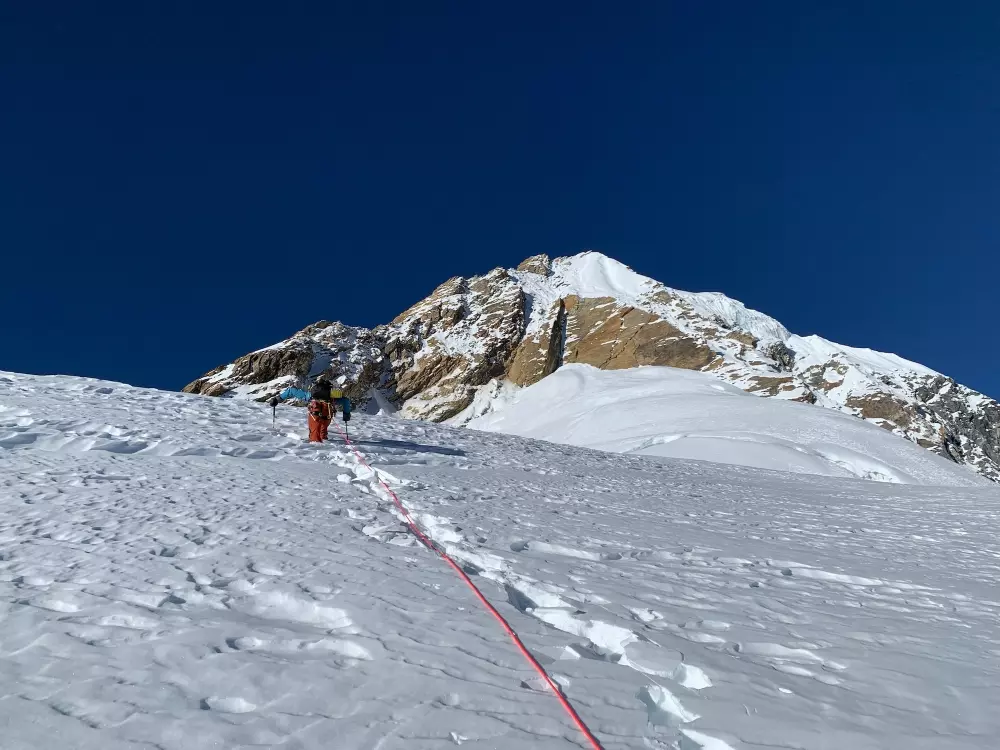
(512, 634)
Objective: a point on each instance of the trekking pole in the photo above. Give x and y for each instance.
(274, 416)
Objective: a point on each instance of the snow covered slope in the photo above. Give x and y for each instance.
(473, 338)
(664, 411)
(174, 575)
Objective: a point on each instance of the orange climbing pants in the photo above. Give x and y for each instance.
(320, 414)
(319, 429)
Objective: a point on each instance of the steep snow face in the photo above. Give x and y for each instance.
(594, 275)
(664, 411)
(175, 574)
(813, 350)
(735, 315)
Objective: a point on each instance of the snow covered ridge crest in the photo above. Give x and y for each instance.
(451, 354)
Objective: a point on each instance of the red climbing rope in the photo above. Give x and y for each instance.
(580, 724)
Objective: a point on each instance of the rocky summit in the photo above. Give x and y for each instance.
(451, 356)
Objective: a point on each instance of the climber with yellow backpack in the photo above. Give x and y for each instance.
(323, 402)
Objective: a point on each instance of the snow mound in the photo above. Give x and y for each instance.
(662, 411)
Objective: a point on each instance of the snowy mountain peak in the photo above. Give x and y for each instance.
(592, 274)
(453, 354)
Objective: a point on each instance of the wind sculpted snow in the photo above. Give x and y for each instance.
(664, 411)
(176, 574)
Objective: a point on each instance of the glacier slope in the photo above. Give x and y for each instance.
(176, 574)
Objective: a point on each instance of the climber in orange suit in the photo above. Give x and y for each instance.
(322, 404)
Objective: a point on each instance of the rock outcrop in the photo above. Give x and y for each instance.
(446, 357)
(460, 338)
(603, 333)
(782, 355)
(541, 353)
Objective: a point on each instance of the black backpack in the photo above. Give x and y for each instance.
(321, 391)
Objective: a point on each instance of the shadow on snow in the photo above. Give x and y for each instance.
(407, 445)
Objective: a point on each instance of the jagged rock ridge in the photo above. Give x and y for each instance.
(448, 356)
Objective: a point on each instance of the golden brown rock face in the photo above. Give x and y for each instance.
(879, 406)
(331, 349)
(258, 368)
(205, 388)
(772, 386)
(459, 338)
(748, 340)
(824, 378)
(609, 336)
(540, 354)
(444, 303)
(540, 264)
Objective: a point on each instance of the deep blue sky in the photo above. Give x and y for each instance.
(181, 182)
